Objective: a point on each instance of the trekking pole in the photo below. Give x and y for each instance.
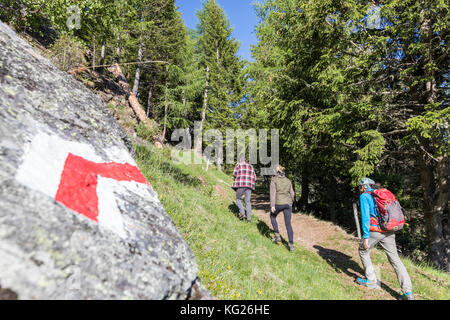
(355, 213)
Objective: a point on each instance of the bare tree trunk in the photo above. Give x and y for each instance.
(205, 96)
(434, 171)
(102, 56)
(165, 121)
(94, 53)
(166, 105)
(197, 144)
(219, 159)
(217, 53)
(440, 205)
(118, 50)
(305, 192)
(149, 100)
(435, 196)
(138, 71)
(332, 206)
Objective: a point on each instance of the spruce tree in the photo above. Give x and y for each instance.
(223, 76)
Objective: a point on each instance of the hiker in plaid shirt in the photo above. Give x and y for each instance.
(244, 183)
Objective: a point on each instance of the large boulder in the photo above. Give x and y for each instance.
(78, 220)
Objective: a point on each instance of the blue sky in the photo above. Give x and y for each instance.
(240, 13)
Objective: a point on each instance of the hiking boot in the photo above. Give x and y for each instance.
(277, 238)
(291, 247)
(367, 283)
(241, 216)
(407, 296)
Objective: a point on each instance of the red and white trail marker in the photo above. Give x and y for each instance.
(74, 175)
(78, 185)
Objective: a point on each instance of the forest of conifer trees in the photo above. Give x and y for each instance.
(357, 88)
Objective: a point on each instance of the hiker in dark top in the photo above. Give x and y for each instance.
(281, 198)
(372, 235)
(244, 183)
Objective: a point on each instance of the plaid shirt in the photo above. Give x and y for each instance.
(245, 176)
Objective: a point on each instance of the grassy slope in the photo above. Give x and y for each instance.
(236, 260)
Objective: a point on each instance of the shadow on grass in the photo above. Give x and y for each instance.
(235, 211)
(264, 229)
(344, 263)
(179, 175)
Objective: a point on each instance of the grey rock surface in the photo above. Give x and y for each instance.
(47, 249)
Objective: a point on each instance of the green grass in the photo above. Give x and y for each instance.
(428, 283)
(237, 260)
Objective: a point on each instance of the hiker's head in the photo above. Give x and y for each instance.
(364, 184)
(279, 169)
(242, 159)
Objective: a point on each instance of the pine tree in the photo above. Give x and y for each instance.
(223, 76)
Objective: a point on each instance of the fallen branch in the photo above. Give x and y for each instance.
(133, 101)
(83, 68)
(394, 132)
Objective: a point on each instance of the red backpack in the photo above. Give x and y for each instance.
(389, 210)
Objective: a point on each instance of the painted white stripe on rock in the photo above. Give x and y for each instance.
(109, 216)
(44, 162)
(45, 157)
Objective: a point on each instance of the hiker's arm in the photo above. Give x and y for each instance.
(292, 193)
(365, 216)
(253, 176)
(273, 192)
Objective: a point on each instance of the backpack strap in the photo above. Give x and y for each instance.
(375, 205)
(373, 194)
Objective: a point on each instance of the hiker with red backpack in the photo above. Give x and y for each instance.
(381, 216)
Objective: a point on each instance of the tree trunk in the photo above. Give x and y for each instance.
(166, 105)
(219, 159)
(165, 121)
(138, 71)
(102, 56)
(217, 53)
(332, 205)
(149, 100)
(118, 50)
(435, 196)
(440, 205)
(205, 96)
(305, 193)
(434, 171)
(94, 53)
(197, 144)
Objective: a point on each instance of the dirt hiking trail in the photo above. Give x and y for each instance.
(338, 248)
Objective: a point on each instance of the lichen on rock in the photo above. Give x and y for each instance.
(124, 245)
